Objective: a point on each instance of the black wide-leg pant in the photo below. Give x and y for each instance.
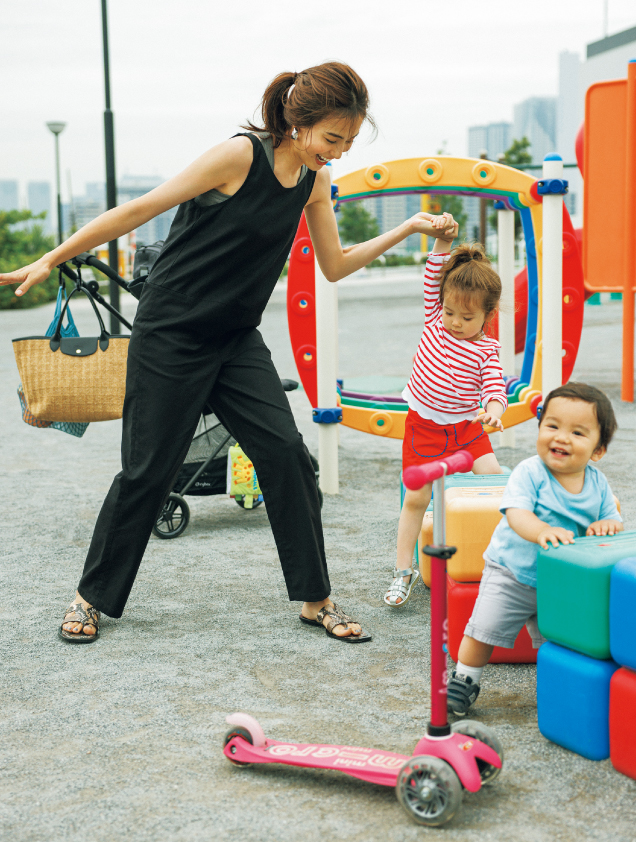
(172, 374)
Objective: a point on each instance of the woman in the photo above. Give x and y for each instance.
(194, 339)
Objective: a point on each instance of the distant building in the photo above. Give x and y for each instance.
(131, 187)
(9, 195)
(85, 208)
(391, 211)
(535, 118)
(39, 200)
(494, 139)
(605, 59)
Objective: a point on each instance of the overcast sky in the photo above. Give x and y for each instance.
(185, 74)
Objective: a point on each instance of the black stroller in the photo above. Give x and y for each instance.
(204, 472)
(205, 469)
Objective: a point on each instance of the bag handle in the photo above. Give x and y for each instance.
(104, 336)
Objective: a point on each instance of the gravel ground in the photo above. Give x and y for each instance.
(122, 739)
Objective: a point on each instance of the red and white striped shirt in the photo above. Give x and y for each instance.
(451, 375)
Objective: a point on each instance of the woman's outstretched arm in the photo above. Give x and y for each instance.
(224, 166)
(337, 262)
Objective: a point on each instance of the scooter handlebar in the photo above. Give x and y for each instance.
(419, 475)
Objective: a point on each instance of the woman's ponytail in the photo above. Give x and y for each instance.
(304, 99)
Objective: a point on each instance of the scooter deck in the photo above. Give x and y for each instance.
(368, 764)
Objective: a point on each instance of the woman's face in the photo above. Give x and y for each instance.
(325, 141)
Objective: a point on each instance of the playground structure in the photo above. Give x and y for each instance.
(555, 292)
(554, 284)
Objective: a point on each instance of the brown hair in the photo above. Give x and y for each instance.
(319, 92)
(469, 275)
(590, 394)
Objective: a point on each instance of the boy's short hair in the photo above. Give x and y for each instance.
(590, 394)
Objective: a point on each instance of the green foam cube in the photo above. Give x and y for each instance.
(573, 591)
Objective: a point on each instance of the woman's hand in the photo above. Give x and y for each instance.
(442, 227)
(28, 276)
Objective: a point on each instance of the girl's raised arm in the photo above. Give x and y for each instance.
(223, 166)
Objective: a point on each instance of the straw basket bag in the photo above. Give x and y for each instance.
(73, 378)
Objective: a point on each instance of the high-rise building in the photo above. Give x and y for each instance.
(493, 139)
(9, 195)
(605, 59)
(131, 187)
(391, 211)
(39, 200)
(535, 118)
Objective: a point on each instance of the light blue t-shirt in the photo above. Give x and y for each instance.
(531, 486)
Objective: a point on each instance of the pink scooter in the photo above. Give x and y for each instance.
(429, 783)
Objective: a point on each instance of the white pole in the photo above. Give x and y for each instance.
(506, 266)
(552, 282)
(327, 373)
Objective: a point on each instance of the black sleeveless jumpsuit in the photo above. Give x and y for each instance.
(194, 340)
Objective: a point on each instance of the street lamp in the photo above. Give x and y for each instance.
(111, 187)
(57, 128)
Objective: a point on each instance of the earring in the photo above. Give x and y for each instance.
(294, 133)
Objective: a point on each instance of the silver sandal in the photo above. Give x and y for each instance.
(399, 588)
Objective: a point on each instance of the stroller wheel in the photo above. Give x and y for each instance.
(173, 518)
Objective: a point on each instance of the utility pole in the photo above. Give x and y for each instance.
(111, 186)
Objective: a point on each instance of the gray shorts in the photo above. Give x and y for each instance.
(502, 608)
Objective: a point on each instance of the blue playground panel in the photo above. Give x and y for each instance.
(622, 613)
(573, 694)
(573, 591)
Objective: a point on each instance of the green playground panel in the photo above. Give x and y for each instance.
(573, 588)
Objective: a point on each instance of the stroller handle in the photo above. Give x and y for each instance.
(419, 475)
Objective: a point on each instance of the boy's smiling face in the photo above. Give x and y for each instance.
(569, 436)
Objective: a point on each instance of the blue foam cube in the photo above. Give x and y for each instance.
(573, 700)
(622, 617)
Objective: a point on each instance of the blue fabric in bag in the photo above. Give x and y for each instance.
(73, 428)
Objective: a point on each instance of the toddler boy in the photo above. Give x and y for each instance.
(549, 498)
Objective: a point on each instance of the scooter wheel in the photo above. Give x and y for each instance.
(173, 518)
(238, 732)
(478, 731)
(429, 790)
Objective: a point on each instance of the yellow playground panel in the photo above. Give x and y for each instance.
(444, 175)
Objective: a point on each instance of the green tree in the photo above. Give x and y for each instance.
(356, 224)
(19, 246)
(516, 155)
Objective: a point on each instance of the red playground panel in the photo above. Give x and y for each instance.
(461, 600)
(622, 722)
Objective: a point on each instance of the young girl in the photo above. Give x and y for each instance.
(455, 366)
(194, 340)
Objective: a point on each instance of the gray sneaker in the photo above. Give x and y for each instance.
(462, 692)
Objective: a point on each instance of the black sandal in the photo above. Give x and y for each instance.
(337, 617)
(77, 613)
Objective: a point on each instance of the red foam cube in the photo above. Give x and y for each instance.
(622, 723)
(461, 600)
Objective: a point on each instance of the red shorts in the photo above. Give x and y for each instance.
(426, 441)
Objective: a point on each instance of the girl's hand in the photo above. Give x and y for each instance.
(28, 276)
(489, 419)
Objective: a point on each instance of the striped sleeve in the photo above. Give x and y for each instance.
(492, 383)
(432, 306)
